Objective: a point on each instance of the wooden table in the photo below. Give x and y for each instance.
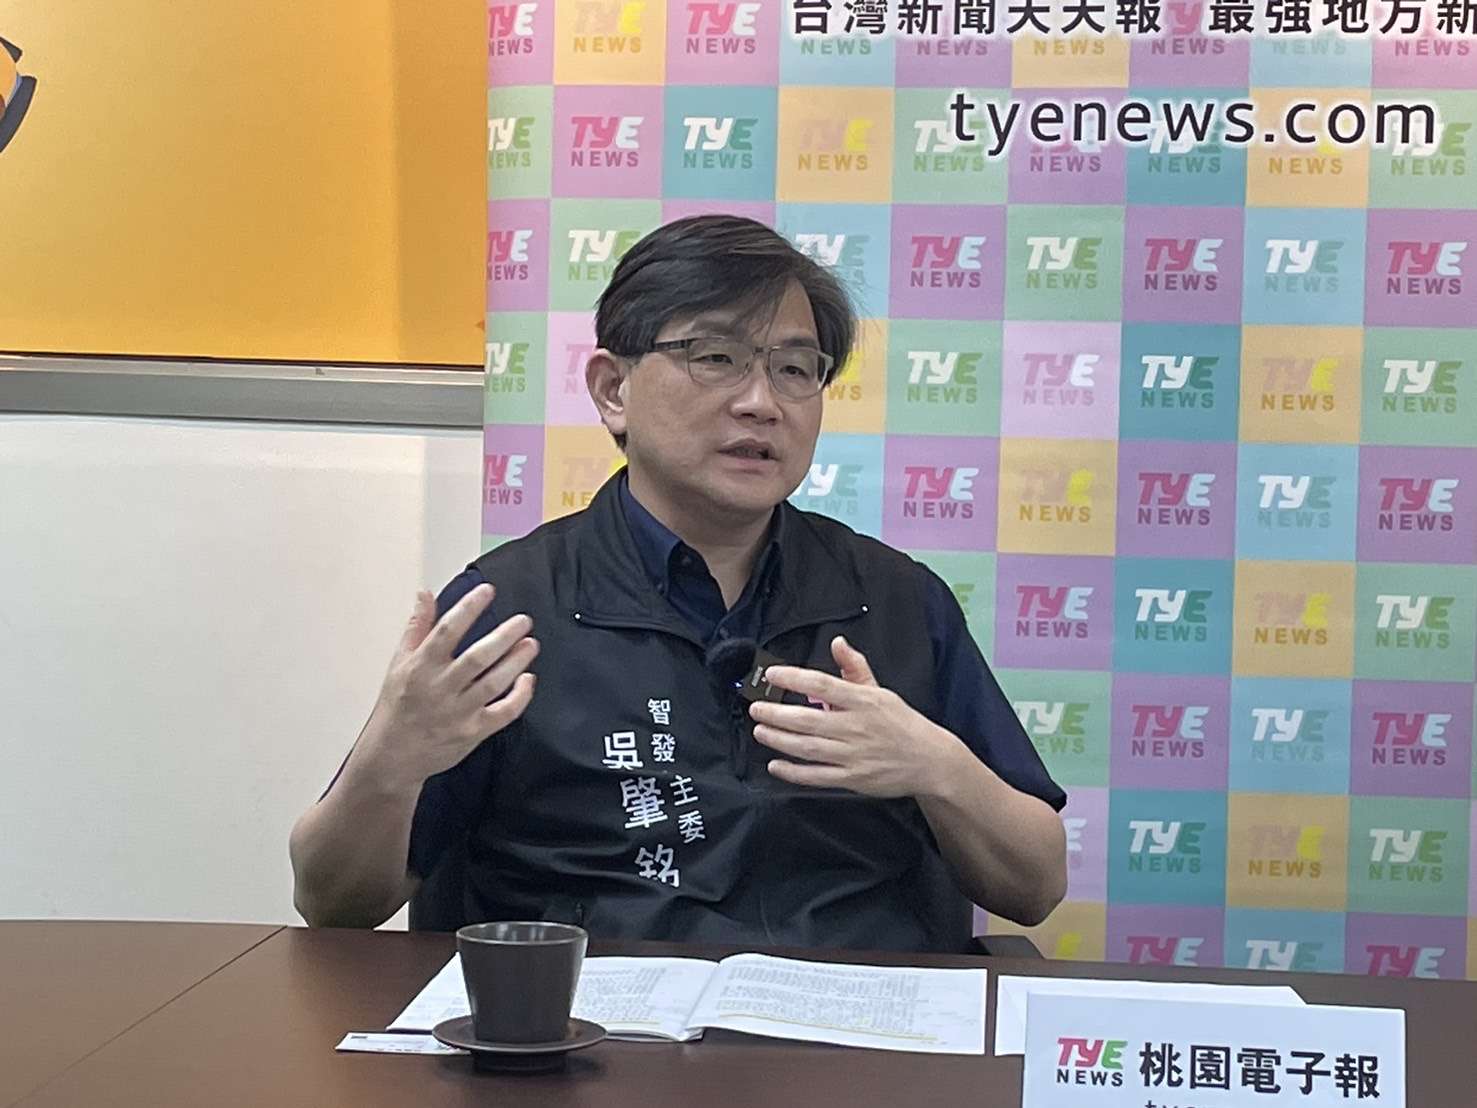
(261, 1030)
(68, 988)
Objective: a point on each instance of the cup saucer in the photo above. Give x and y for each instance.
(517, 1057)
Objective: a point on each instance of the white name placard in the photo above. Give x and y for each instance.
(1099, 1053)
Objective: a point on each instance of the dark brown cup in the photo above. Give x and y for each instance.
(521, 978)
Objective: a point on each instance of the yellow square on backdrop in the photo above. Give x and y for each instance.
(1294, 619)
(1076, 61)
(577, 461)
(1058, 496)
(1301, 384)
(835, 145)
(1287, 852)
(1285, 174)
(610, 42)
(1076, 931)
(856, 401)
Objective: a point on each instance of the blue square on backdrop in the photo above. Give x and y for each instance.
(1296, 503)
(854, 241)
(1165, 171)
(845, 482)
(1303, 265)
(1290, 735)
(1323, 60)
(720, 143)
(836, 59)
(1291, 941)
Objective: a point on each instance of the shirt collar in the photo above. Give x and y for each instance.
(657, 545)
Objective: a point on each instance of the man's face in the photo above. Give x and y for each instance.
(738, 450)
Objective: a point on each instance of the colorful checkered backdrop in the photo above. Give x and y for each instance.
(1212, 523)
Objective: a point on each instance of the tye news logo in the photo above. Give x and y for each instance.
(1279, 851)
(1181, 264)
(1295, 501)
(1164, 950)
(1302, 265)
(1090, 1061)
(507, 366)
(1185, 38)
(1065, 157)
(944, 376)
(1053, 612)
(1059, 262)
(1056, 727)
(1424, 267)
(580, 477)
(939, 492)
(1178, 381)
(1171, 615)
(1445, 157)
(594, 252)
(838, 484)
(831, 145)
(1409, 738)
(1416, 504)
(503, 480)
(1165, 846)
(510, 29)
(1168, 731)
(1055, 494)
(937, 150)
(606, 142)
(1177, 499)
(608, 26)
(508, 253)
(1058, 380)
(1300, 955)
(1420, 386)
(1289, 735)
(946, 261)
(1408, 621)
(1407, 855)
(1281, 618)
(510, 141)
(1400, 960)
(1292, 384)
(717, 30)
(845, 253)
(1180, 154)
(718, 142)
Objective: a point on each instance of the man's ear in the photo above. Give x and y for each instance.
(607, 377)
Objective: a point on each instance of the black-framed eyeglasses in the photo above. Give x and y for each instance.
(797, 372)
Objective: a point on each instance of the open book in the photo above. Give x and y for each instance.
(931, 1011)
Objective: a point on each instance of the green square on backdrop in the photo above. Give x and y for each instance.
(514, 367)
(1068, 716)
(520, 143)
(1064, 262)
(943, 378)
(971, 578)
(1408, 855)
(929, 165)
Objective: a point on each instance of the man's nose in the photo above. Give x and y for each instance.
(756, 392)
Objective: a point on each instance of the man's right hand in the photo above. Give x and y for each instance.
(434, 708)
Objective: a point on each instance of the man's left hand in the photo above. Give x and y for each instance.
(866, 738)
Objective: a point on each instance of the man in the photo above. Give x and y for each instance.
(632, 791)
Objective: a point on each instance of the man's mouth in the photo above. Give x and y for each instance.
(753, 452)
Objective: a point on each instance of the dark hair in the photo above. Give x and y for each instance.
(708, 262)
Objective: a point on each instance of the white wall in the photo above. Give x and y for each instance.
(194, 621)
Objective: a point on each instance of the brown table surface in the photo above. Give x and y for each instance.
(66, 988)
(262, 1031)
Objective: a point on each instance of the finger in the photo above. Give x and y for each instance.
(486, 652)
(820, 777)
(500, 713)
(812, 682)
(852, 662)
(803, 720)
(808, 748)
(452, 627)
(500, 677)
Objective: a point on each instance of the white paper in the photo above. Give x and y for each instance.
(1011, 994)
(373, 1042)
(934, 1011)
(635, 998)
(1084, 1054)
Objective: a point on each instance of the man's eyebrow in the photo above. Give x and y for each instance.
(723, 324)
